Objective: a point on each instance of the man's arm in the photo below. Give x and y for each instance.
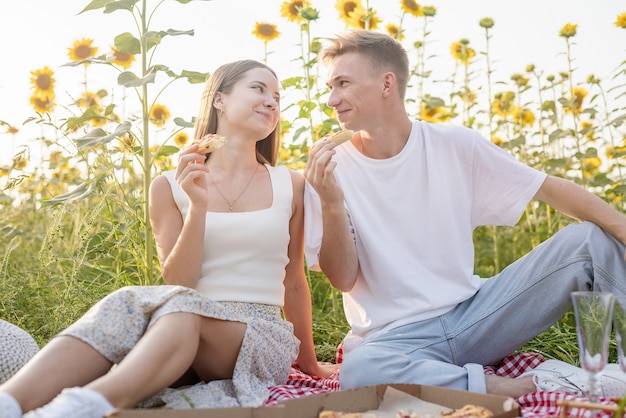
(337, 258)
(573, 200)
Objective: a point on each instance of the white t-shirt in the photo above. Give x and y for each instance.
(413, 217)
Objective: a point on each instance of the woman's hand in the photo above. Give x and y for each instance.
(324, 370)
(192, 175)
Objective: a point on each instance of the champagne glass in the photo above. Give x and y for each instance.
(619, 324)
(594, 314)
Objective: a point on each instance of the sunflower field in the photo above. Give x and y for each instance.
(74, 213)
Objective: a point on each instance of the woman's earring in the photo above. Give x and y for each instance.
(222, 113)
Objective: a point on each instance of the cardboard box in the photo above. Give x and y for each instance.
(260, 412)
(368, 398)
(355, 400)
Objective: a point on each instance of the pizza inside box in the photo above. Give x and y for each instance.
(372, 401)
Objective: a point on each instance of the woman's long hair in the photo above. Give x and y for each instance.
(222, 81)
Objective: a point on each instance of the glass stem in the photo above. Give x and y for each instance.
(594, 388)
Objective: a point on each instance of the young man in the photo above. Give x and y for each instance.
(389, 220)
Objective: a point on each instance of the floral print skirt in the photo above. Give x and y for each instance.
(115, 324)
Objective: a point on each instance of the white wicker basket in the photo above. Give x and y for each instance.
(16, 348)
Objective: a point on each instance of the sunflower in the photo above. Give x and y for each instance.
(20, 162)
(265, 31)
(575, 103)
(88, 99)
(587, 129)
(348, 8)
(523, 116)
(434, 114)
(568, 30)
(42, 104)
(12, 130)
(291, 10)
(59, 161)
(181, 139)
(367, 21)
(82, 50)
(126, 143)
(121, 58)
(497, 140)
(429, 11)
(159, 114)
(411, 7)
(462, 52)
(590, 166)
(486, 22)
(98, 121)
(43, 82)
(395, 31)
(520, 80)
(621, 21)
(503, 105)
(468, 96)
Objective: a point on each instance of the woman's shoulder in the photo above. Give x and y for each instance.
(164, 187)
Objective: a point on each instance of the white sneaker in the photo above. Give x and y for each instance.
(74, 403)
(9, 408)
(555, 375)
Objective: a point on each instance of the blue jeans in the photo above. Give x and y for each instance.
(509, 310)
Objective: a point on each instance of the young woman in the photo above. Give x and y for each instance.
(229, 234)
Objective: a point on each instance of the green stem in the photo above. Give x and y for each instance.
(147, 157)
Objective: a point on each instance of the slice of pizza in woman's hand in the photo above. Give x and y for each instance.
(209, 143)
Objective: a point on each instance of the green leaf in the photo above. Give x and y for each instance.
(89, 114)
(183, 123)
(305, 108)
(120, 5)
(164, 68)
(94, 5)
(109, 109)
(188, 1)
(291, 82)
(79, 192)
(5, 199)
(129, 79)
(153, 38)
(558, 133)
(174, 32)
(101, 59)
(621, 189)
(99, 136)
(617, 121)
(591, 152)
(434, 102)
(167, 150)
(194, 77)
(127, 42)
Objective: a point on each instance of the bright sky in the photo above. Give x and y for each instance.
(36, 33)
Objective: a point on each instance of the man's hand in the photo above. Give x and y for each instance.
(319, 172)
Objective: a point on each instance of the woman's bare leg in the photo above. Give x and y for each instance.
(167, 350)
(64, 362)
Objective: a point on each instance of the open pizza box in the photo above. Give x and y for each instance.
(364, 399)
(371, 398)
(259, 412)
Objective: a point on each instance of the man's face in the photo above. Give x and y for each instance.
(354, 90)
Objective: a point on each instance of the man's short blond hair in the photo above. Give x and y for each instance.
(382, 52)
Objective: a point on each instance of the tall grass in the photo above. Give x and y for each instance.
(75, 223)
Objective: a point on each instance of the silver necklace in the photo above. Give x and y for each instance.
(231, 204)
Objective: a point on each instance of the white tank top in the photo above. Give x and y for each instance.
(245, 253)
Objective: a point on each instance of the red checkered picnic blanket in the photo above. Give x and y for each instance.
(533, 405)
